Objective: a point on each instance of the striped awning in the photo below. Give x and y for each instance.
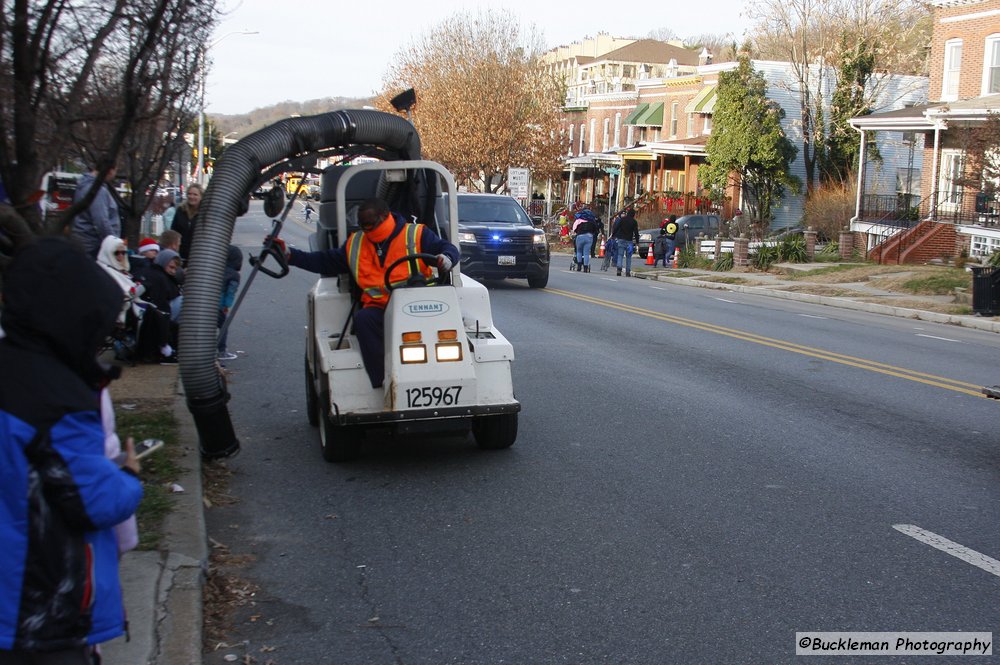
(700, 101)
(653, 116)
(639, 110)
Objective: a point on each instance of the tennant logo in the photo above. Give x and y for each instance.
(425, 308)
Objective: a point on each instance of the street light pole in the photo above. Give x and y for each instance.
(203, 75)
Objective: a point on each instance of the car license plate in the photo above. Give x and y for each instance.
(506, 260)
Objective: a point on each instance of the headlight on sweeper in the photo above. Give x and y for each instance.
(448, 348)
(412, 350)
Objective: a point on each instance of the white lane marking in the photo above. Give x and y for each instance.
(812, 316)
(609, 279)
(943, 339)
(658, 288)
(977, 559)
(729, 301)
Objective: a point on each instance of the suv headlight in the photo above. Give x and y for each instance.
(467, 238)
(540, 239)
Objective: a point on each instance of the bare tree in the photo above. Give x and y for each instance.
(813, 36)
(484, 104)
(78, 78)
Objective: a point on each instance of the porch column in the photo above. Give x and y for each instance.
(548, 198)
(569, 193)
(862, 159)
(932, 213)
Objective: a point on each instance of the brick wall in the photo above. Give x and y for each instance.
(973, 31)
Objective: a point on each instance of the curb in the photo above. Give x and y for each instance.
(164, 590)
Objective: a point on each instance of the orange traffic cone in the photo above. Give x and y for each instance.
(601, 253)
(650, 261)
(677, 256)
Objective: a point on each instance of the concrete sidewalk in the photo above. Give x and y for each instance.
(163, 590)
(861, 293)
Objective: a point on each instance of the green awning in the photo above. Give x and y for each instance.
(697, 104)
(652, 116)
(639, 110)
(709, 104)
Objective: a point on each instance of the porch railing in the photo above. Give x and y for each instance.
(900, 211)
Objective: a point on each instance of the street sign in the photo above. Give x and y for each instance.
(517, 182)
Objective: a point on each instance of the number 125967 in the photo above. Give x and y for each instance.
(417, 398)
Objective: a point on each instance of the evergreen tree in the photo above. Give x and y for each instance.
(747, 146)
(849, 101)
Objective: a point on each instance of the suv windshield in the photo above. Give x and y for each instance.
(491, 210)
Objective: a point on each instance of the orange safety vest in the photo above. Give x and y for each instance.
(369, 271)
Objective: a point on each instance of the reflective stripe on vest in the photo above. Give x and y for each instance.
(372, 280)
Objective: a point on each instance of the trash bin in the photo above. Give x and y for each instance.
(986, 290)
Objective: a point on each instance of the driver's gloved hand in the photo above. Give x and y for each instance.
(280, 244)
(444, 263)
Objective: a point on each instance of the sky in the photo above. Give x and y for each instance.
(311, 49)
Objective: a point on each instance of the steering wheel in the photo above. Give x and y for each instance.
(417, 278)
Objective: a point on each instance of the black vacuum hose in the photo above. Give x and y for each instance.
(236, 173)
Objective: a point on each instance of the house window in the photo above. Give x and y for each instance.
(607, 137)
(690, 130)
(629, 135)
(570, 153)
(583, 138)
(673, 120)
(952, 69)
(908, 187)
(991, 68)
(707, 127)
(949, 191)
(618, 130)
(593, 134)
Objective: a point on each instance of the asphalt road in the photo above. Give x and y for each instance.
(697, 477)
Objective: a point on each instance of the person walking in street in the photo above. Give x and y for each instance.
(598, 234)
(626, 237)
(669, 229)
(101, 218)
(584, 228)
(184, 219)
(60, 495)
(660, 249)
(384, 238)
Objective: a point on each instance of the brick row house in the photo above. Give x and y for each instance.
(642, 140)
(937, 214)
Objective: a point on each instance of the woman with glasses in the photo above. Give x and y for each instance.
(113, 258)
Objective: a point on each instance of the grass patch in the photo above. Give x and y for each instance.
(937, 285)
(158, 470)
(724, 279)
(826, 270)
